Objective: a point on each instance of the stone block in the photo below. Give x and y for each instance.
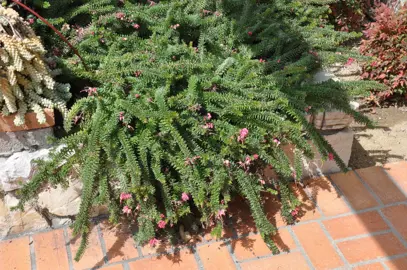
(14, 222)
(341, 142)
(17, 169)
(12, 142)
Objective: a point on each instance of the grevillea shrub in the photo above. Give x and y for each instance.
(188, 102)
(386, 42)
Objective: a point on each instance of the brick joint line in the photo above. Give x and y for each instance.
(229, 241)
(300, 247)
(271, 255)
(68, 249)
(361, 236)
(369, 189)
(102, 243)
(395, 232)
(394, 182)
(32, 253)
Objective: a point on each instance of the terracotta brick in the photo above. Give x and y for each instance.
(397, 215)
(15, 254)
(119, 242)
(226, 233)
(317, 246)
(353, 225)
(380, 183)
(272, 207)
(397, 264)
(254, 246)
(181, 260)
(398, 172)
(291, 261)
(372, 247)
(163, 246)
(357, 195)
(7, 122)
(93, 256)
(308, 209)
(325, 195)
(215, 256)
(240, 214)
(50, 250)
(113, 267)
(372, 266)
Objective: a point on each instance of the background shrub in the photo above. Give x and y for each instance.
(386, 42)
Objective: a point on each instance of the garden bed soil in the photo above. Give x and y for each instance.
(386, 143)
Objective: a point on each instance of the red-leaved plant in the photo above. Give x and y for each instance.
(386, 41)
(351, 15)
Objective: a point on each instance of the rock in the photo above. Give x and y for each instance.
(323, 75)
(17, 169)
(62, 202)
(13, 222)
(12, 142)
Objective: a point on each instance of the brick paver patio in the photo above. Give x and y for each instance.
(356, 220)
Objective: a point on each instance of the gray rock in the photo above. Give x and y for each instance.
(17, 169)
(12, 142)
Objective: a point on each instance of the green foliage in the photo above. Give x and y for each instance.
(190, 101)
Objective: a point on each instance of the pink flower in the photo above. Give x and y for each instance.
(152, 3)
(153, 242)
(206, 12)
(136, 26)
(31, 20)
(276, 141)
(120, 15)
(161, 224)
(255, 156)
(294, 212)
(162, 216)
(124, 196)
(184, 197)
(90, 90)
(262, 182)
(226, 163)
(208, 116)
(279, 60)
(221, 213)
(137, 73)
(137, 95)
(121, 116)
(248, 160)
(350, 61)
(217, 13)
(242, 135)
(331, 156)
(262, 60)
(208, 126)
(126, 210)
(250, 33)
